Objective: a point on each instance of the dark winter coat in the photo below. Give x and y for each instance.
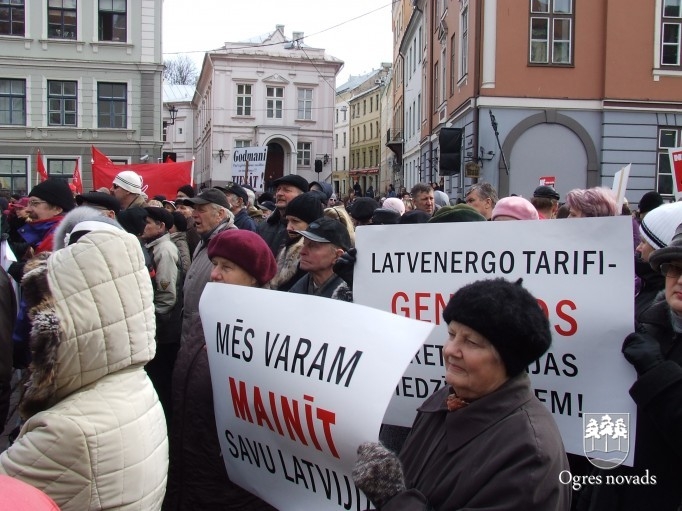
(335, 288)
(243, 221)
(658, 446)
(197, 478)
(274, 232)
(502, 451)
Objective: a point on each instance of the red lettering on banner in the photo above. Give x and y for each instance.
(300, 424)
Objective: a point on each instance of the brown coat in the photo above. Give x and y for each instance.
(502, 451)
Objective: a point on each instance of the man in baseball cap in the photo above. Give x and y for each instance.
(326, 239)
(274, 229)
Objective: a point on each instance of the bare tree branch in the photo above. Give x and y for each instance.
(180, 71)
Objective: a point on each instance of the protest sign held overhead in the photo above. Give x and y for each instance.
(294, 399)
(248, 166)
(580, 270)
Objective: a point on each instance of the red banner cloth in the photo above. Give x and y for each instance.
(157, 178)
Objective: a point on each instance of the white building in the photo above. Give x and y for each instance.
(269, 91)
(73, 75)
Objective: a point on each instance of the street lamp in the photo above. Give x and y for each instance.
(221, 155)
(173, 113)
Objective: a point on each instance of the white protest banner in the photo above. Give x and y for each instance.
(248, 166)
(581, 271)
(675, 155)
(620, 184)
(297, 386)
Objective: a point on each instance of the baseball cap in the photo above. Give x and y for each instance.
(327, 230)
(209, 196)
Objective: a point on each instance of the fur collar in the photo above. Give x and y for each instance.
(44, 339)
(287, 264)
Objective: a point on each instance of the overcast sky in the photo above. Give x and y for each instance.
(362, 40)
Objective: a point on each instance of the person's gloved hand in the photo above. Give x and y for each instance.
(642, 351)
(344, 265)
(378, 473)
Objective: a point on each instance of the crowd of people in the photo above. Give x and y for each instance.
(117, 406)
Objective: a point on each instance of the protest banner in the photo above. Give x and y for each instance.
(294, 398)
(548, 181)
(580, 270)
(248, 166)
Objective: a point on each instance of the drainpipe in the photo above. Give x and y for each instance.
(477, 80)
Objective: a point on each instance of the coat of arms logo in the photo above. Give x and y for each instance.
(606, 439)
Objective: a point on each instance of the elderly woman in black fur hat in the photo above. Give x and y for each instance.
(484, 441)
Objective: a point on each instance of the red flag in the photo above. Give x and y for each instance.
(99, 158)
(41, 168)
(77, 179)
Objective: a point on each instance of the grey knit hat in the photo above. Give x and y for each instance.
(673, 252)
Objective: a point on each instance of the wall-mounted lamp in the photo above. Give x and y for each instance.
(173, 113)
(487, 156)
(325, 159)
(221, 155)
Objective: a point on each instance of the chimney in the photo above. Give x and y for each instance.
(296, 36)
(280, 28)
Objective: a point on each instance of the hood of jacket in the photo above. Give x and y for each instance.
(92, 312)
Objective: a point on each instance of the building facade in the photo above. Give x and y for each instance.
(271, 91)
(178, 122)
(73, 75)
(552, 89)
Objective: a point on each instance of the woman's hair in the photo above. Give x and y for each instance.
(340, 214)
(593, 202)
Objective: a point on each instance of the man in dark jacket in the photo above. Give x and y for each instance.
(239, 200)
(274, 229)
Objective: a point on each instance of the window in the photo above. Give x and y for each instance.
(419, 43)
(303, 150)
(61, 169)
(364, 132)
(61, 19)
(13, 102)
(336, 141)
(112, 20)
(243, 99)
(305, 103)
(453, 63)
(344, 110)
(668, 138)
(671, 29)
(364, 107)
(164, 131)
(12, 13)
(443, 82)
(62, 101)
(551, 32)
(436, 89)
(242, 143)
(344, 139)
(112, 105)
(464, 42)
(337, 116)
(275, 101)
(13, 175)
(370, 105)
(344, 162)
(371, 131)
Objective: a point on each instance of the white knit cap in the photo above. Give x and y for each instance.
(659, 224)
(130, 181)
(395, 204)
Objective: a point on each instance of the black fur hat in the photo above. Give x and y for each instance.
(507, 315)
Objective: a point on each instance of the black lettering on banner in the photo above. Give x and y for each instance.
(561, 403)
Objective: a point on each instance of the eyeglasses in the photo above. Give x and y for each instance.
(671, 271)
(34, 203)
